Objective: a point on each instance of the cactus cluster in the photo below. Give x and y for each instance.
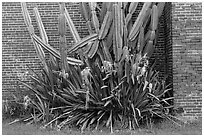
(111, 79)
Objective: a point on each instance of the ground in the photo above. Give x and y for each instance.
(161, 128)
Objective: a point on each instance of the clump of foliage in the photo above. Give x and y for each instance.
(111, 80)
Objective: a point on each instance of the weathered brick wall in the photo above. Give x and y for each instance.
(187, 56)
(168, 43)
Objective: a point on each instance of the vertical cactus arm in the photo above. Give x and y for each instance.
(26, 16)
(121, 16)
(103, 12)
(131, 10)
(62, 39)
(147, 17)
(40, 25)
(160, 7)
(154, 18)
(94, 17)
(86, 13)
(135, 29)
(117, 34)
(105, 25)
(72, 28)
(38, 48)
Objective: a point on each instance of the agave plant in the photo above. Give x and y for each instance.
(112, 80)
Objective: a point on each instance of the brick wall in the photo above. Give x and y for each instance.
(187, 56)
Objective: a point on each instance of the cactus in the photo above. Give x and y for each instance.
(73, 29)
(134, 31)
(115, 57)
(62, 40)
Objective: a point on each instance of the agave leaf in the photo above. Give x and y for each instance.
(31, 88)
(165, 91)
(99, 118)
(83, 42)
(169, 98)
(106, 98)
(41, 104)
(109, 119)
(145, 85)
(72, 28)
(142, 104)
(87, 99)
(93, 120)
(154, 96)
(134, 114)
(135, 29)
(63, 100)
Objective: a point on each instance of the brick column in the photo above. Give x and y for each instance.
(187, 57)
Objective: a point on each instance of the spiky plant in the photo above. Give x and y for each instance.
(117, 83)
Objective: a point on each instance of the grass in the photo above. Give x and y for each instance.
(161, 128)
